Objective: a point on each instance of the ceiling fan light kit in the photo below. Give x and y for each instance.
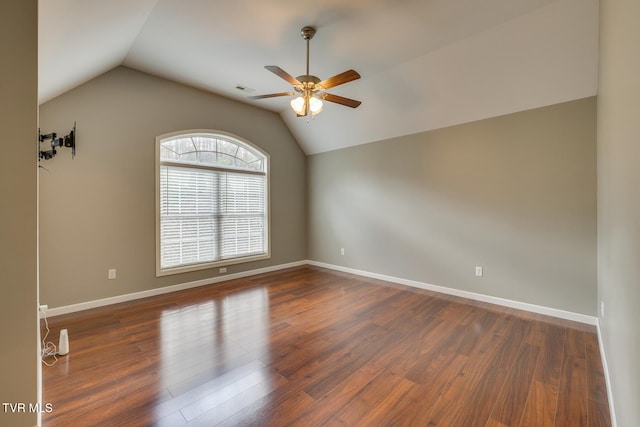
(310, 89)
(298, 105)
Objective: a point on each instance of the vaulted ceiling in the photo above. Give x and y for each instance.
(425, 64)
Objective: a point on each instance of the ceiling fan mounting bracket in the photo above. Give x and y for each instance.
(307, 33)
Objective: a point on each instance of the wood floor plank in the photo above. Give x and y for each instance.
(282, 409)
(444, 340)
(572, 396)
(599, 415)
(308, 346)
(597, 386)
(219, 385)
(542, 403)
(511, 400)
(373, 398)
(221, 397)
(347, 365)
(488, 371)
(552, 355)
(339, 396)
(382, 411)
(541, 406)
(224, 407)
(425, 399)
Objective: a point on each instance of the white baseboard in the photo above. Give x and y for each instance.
(576, 317)
(607, 378)
(57, 311)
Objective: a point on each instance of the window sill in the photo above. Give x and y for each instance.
(206, 266)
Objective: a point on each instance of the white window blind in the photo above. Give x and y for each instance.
(212, 203)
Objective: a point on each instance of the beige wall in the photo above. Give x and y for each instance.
(18, 220)
(619, 201)
(98, 210)
(515, 194)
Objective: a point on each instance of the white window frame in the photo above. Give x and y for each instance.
(227, 261)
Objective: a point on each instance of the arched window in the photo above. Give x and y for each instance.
(212, 201)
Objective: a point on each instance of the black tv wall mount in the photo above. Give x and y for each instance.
(68, 141)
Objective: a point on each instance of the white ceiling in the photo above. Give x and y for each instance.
(425, 64)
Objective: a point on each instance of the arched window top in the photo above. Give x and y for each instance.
(212, 201)
(212, 149)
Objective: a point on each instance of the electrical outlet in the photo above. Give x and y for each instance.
(111, 274)
(341, 251)
(479, 271)
(222, 270)
(44, 307)
(602, 309)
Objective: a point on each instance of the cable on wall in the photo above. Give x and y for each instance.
(49, 349)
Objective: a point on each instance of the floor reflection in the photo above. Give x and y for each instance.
(212, 353)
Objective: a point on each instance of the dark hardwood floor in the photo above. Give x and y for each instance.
(310, 347)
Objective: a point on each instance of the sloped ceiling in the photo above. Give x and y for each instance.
(425, 64)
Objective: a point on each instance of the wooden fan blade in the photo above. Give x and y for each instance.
(272, 95)
(341, 100)
(339, 79)
(283, 74)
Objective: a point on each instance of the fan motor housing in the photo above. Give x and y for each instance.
(306, 78)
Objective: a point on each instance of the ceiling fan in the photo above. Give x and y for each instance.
(311, 89)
